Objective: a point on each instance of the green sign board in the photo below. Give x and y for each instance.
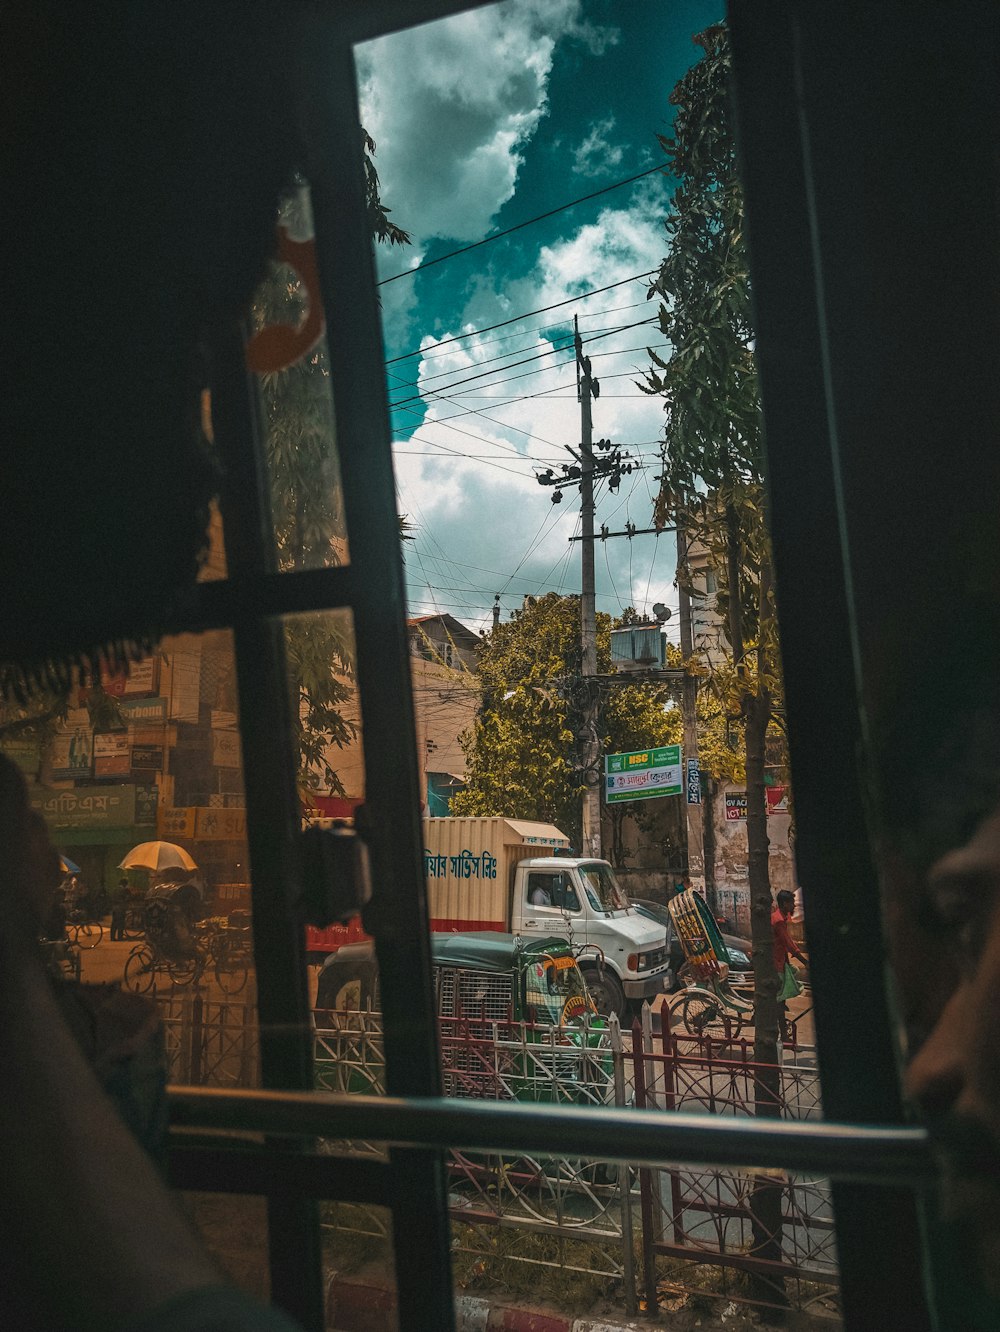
(85, 807)
(643, 774)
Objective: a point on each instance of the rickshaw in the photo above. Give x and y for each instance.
(709, 1005)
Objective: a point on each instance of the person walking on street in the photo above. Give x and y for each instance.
(784, 948)
(118, 909)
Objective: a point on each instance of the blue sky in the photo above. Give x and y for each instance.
(482, 122)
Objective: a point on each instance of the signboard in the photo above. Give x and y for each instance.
(643, 774)
(693, 782)
(220, 825)
(226, 749)
(736, 806)
(143, 677)
(111, 754)
(142, 711)
(736, 802)
(777, 800)
(172, 823)
(24, 753)
(72, 752)
(147, 758)
(146, 800)
(85, 807)
(185, 685)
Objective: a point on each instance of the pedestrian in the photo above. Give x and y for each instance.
(118, 909)
(785, 947)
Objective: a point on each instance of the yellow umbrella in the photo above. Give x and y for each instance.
(158, 857)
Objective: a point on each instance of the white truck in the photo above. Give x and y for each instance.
(511, 875)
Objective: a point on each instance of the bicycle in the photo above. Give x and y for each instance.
(83, 932)
(62, 957)
(230, 950)
(135, 921)
(145, 962)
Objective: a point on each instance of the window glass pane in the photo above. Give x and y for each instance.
(358, 1266)
(234, 1230)
(139, 779)
(287, 350)
(326, 716)
(484, 384)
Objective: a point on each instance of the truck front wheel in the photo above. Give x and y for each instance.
(605, 990)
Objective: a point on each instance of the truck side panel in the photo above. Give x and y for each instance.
(469, 864)
(467, 880)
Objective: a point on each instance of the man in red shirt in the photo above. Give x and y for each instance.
(784, 946)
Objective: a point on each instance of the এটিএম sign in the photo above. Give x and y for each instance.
(643, 774)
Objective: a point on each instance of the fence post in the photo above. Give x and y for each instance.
(185, 1049)
(624, 1190)
(653, 1072)
(645, 1179)
(198, 1061)
(670, 1056)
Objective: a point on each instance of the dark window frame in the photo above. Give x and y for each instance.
(870, 1198)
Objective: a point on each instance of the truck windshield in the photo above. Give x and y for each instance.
(603, 889)
(556, 990)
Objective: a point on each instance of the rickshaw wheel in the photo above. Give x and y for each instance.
(703, 1016)
(140, 969)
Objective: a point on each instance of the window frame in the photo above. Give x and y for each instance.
(851, 1002)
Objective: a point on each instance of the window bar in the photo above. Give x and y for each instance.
(881, 1155)
(273, 814)
(390, 820)
(833, 851)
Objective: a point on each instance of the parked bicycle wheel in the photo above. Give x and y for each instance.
(140, 969)
(86, 933)
(135, 922)
(230, 967)
(702, 1015)
(186, 970)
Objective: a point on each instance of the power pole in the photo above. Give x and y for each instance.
(701, 877)
(612, 466)
(590, 756)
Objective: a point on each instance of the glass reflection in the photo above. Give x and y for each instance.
(138, 776)
(288, 353)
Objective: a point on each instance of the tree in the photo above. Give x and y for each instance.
(306, 497)
(712, 478)
(522, 750)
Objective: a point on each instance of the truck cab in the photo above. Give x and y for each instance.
(623, 954)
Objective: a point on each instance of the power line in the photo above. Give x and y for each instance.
(527, 360)
(434, 354)
(503, 356)
(519, 226)
(527, 314)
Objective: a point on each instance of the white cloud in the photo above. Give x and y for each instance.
(597, 155)
(452, 104)
(466, 476)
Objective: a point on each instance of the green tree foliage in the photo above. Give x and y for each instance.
(306, 498)
(712, 476)
(522, 752)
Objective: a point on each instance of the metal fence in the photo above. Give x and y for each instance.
(770, 1233)
(211, 1043)
(640, 1230)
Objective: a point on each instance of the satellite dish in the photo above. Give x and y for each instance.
(661, 612)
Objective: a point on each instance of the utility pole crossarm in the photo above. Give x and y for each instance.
(630, 532)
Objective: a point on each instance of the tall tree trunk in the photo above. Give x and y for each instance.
(767, 1196)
